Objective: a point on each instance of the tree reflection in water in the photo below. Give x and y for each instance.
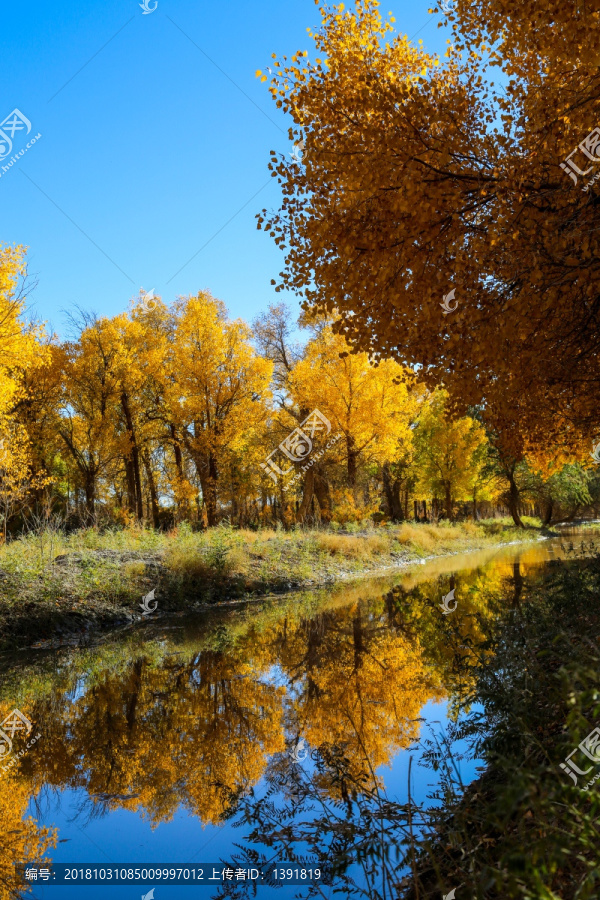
(205, 729)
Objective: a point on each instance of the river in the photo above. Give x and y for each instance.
(285, 723)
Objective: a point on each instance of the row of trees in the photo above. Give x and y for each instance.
(163, 414)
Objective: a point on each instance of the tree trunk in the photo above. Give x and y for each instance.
(309, 486)
(416, 510)
(152, 489)
(448, 501)
(518, 582)
(130, 483)
(134, 459)
(90, 497)
(210, 496)
(322, 489)
(352, 455)
(182, 505)
(357, 633)
(391, 489)
(177, 452)
(548, 515)
(513, 501)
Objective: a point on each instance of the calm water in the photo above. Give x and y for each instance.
(155, 742)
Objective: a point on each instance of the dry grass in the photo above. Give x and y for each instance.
(354, 547)
(220, 564)
(443, 537)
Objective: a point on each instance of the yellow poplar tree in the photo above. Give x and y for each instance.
(421, 175)
(216, 388)
(19, 348)
(448, 452)
(370, 405)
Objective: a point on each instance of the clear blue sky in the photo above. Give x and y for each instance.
(149, 148)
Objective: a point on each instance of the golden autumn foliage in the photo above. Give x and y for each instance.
(164, 414)
(19, 349)
(21, 839)
(420, 175)
(199, 730)
(18, 344)
(450, 454)
(369, 406)
(216, 383)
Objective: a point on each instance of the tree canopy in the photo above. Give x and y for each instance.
(422, 175)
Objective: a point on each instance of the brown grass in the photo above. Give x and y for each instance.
(354, 547)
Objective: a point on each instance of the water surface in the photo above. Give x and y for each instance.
(156, 741)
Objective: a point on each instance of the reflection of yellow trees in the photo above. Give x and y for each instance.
(370, 705)
(453, 644)
(198, 729)
(360, 685)
(198, 733)
(20, 837)
(158, 737)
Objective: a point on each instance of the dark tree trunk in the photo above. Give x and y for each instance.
(548, 514)
(357, 631)
(210, 496)
(130, 482)
(135, 688)
(322, 489)
(90, 497)
(309, 486)
(448, 501)
(182, 504)
(513, 501)
(391, 487)
(416, 506)
(390, 608)
(177, 452)
(518, 582)
(352, 455)
(134, 459)
(152, 489)
(206, 467)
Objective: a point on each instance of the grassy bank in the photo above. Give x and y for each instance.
(524, 829)
(526, 681)
(56, 583)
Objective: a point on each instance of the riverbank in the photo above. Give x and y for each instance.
(526, 828)
(68, 586)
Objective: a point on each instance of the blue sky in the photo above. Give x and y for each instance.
(148, 148)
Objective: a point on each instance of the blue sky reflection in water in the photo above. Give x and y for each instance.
(124, 836)
(180, 724)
